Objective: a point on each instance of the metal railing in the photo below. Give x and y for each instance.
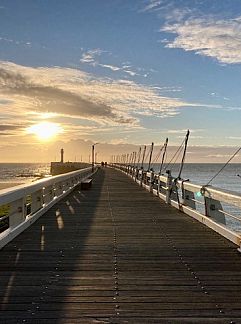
(22, 205)
(217, 208)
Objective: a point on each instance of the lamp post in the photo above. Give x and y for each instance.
(93, 156)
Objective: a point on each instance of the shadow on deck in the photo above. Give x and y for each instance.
(116, 254)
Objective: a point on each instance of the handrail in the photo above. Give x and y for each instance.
(204, 203)
(26, 203)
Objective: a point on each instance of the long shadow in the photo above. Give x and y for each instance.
(46, 271)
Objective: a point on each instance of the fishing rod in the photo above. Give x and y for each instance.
(139, 157)
(134, 162)
(151, 150)
(163, 155)
(184, 154)
(143, 157)
(229, 160)
(130, 159)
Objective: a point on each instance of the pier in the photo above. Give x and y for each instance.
(117, 253)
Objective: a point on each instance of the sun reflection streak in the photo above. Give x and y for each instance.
(42, 242)
(60, 220)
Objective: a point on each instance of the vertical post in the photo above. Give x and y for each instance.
(149, 164)
(169, 187)
(213, 210)
(93, 157)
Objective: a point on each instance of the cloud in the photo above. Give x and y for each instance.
(56, 100)
(91, 57)
(152, 5)
(73, 93)
(111, 67)
(15, 42)
(234, 138)
(10, 129)
(219, 39)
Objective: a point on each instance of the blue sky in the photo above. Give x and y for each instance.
(121, 71)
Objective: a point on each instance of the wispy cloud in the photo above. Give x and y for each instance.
(10, 129)
(219, 39)
(111, 67)
(82, 102)
(194, 30)
(152, 5)
(93, 58)
(15, 42)
(73, 93)
(51, 98)
(90, 57)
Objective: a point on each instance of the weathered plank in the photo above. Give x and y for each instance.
(117, 254)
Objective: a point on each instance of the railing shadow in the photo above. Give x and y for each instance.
(37, 267)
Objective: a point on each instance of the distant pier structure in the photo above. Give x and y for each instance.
(64, 167)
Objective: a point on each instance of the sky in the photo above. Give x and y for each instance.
(121, 73)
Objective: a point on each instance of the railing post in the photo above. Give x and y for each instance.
(16, 213)
(188, 198)
(212, 210)
(48, 194)
(37, 201)
(169, 187)
(151, 180)
(141, 177)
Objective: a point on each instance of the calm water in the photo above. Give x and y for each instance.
(14, 172)
(202, 173)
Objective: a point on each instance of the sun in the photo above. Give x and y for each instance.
(45, 131)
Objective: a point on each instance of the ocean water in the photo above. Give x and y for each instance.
(201, 173)
(22, 172)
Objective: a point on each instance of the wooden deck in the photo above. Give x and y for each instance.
(117, 254)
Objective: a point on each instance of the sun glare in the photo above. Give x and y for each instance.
(45, 131)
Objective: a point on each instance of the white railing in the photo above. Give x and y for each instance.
(22, 205)
(216, 208)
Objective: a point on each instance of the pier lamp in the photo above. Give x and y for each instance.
(93, 156)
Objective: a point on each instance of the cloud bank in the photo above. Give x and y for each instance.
(75, 94)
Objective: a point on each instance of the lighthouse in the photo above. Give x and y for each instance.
(62, 156)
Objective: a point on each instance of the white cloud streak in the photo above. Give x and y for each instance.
(219, 39)
(153, 5)
(91, 57)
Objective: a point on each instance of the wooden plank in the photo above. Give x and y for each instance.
(115, 253)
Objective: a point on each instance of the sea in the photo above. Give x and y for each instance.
(23, 172)
(198, 173)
